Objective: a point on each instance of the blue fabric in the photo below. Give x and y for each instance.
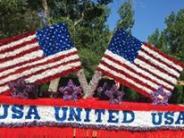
(125, 45)
(54, 39)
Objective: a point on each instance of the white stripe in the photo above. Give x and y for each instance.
(52, 72)
(137, 69)
(155, 71)
(157, 63)
(162, 58)
(138, 77)
(6, 72)
(125, 78)
(37, 68)
(19, 50)
(18, 42)
(24, 58)
(4, 88)
(46, 74)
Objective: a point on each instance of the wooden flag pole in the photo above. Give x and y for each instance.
(83, 82)
(94, 83)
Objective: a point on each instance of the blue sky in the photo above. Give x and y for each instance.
(149, 15)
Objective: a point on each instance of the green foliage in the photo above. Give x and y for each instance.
(171, 39)
(16, 17)
(126, 16)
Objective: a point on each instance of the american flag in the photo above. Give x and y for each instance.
(38, 56)
(139, 66)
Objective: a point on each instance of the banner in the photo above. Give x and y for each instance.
(85, 117)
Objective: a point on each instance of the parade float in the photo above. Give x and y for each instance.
(77, 110)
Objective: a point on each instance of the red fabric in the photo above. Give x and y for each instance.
(125, 83)
(165, 55)
(14, 38)
(156, 58)
(54, 132)
(131, 69)
(131, 77)
(156, 66)
(91, 103)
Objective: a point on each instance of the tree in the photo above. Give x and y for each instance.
(174, 34)
(171, 39)
(158, 40)
(126, 16)
(16, 17)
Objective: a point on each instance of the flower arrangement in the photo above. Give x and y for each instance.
(113, 94)
(21, 89)
(70, 91)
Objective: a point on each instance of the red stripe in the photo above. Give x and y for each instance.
(64, 73)
(18, 46)
(20, 64)
(14, 38)
(134, 71)
(166, 56)
(127, 75)
(125, 83)
(39, 64)
(154, 75)
(21, 54)
(156, 66)
(42, 70)
(156, 58)
(91, 103)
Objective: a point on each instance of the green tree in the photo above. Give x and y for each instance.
(16, 17)
(171, 39)
(126, 13)
(174, 34)
(158, 40)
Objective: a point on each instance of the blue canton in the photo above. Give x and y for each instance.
(125, 45)
(54, 39)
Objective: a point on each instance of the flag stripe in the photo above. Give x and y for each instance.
(121, 60)
(8, 49)
(18, 50)
(155, 66)
(165, 58)
(54, 73)
(154, 70)
(158, 64)
(15, 38)
(132, 72)
(36, 69)
(158, 59)
(124, 80)
(20, 64)
(127, 75)
(26, 57)
(33, 49)
(41, 62)
(17, 42)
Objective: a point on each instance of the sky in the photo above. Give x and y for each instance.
(149, 15)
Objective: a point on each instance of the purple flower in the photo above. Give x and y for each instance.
(113, 94)
(21, 89)
(71, 91)
(160, 97)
